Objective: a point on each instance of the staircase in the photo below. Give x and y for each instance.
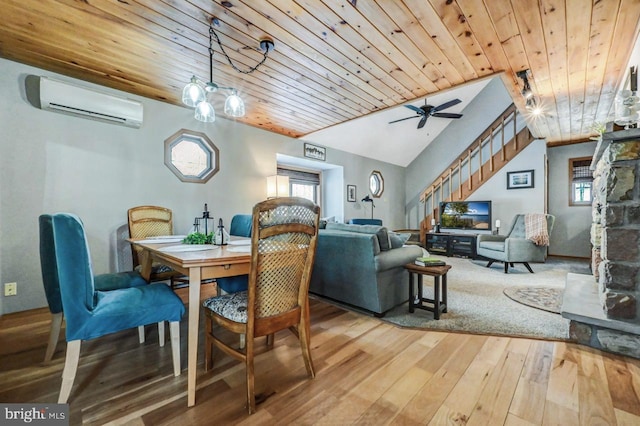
(505, 138)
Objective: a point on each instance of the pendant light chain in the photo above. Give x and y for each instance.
(213, 34)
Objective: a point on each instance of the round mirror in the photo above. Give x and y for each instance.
(376, 183)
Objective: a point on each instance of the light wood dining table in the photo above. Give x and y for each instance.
(217, 262)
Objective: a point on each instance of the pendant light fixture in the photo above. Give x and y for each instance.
(196, 92)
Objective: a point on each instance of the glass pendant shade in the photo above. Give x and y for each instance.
(234, 106)
(205, 112)
(192, 94)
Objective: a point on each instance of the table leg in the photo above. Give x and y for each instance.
(436, 297)
(444, 292)
(411, 295)
(420, 289)
(194, 318)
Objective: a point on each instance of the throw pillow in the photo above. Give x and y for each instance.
(380, 232)
(397, 240)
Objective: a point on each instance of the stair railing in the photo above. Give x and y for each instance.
(477, 163)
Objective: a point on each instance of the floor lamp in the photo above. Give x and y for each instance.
(368, 199)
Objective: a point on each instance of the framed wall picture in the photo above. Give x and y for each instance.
(314, 151)
(351, 193)
(521, 179)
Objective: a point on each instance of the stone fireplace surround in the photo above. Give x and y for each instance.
(604, 308)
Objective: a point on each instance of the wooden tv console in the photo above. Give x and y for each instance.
(451, 244)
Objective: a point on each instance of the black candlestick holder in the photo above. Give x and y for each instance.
(203, 224)
(221, 237)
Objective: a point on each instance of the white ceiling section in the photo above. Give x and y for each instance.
(399, 143)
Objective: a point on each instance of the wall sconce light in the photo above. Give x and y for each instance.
(277, 186)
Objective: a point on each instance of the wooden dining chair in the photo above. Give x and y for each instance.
(283, 244)
(151, 221)
(90, 313)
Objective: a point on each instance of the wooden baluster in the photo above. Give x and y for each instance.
(450, 184)
(469, 164)
(460, 178)
(480, 177)
(502, 130)
(491, 150)
(515, 133)
(432, 201)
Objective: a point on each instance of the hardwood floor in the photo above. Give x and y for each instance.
(367, 372)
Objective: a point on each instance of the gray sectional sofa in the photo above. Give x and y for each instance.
(362, 265)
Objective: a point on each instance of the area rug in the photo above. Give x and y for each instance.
(545, 298)
(477, 303)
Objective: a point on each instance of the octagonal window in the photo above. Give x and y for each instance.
(191, 156)
(376, 183)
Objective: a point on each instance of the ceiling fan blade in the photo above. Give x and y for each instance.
(447, 115)
(415, 108)
(402, 119)
(422, 122)
(446, 105)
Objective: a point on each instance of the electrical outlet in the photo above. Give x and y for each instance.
(10, 289)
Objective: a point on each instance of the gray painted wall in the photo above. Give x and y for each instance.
(51, 162)
(506, 203)
(571, 232)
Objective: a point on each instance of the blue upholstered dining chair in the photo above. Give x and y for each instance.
(103, 282)
(91, 313)
(240, 227)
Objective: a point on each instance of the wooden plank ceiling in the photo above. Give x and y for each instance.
(338, 60)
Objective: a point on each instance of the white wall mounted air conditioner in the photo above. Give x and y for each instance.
(67, 98)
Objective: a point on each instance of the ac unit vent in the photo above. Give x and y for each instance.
(65, 108)
(67, 98)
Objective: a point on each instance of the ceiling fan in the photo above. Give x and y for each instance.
(427, 111)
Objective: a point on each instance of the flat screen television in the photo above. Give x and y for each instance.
(465, 215)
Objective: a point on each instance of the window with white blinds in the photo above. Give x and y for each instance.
(581, 181)
(304, 184)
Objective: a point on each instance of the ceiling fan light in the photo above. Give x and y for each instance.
(234, 106)
(192, 94)
(205, 112)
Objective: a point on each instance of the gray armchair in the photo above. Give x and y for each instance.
(513, 247)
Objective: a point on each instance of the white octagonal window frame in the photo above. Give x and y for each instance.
(191, 156)
(376, 184)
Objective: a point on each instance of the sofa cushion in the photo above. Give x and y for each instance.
(379, 231)
(492, 245)
(356, 242)
(397, 258)
(397, 240)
